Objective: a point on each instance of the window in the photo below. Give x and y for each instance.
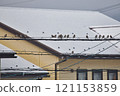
(112, 75)
(81, 74)
(97, 75)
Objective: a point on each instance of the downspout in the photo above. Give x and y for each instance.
(56, 67)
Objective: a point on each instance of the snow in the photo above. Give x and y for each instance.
(12, 62)
(47, 22)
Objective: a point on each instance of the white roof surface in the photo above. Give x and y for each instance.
(12, 62)
(47, 22)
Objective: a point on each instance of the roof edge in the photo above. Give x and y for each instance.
(35, 42)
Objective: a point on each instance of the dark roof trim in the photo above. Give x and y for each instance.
(7, 55)
(35, 42)
(93, 56)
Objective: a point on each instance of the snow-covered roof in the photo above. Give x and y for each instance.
(47, 22)
(15, 63)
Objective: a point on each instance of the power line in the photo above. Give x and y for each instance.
(90, 56)
(87, 58)
(63, 39)
(81, 52)
(108, 7)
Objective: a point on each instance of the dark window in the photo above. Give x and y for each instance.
(97, 75)
(81, 74)
(112, 75)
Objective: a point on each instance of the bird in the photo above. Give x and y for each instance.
(67, 36)
(53, 36)
(64, 36)
(72, 52)
(99, 36)
(111, 36)
(84, 49)
(88, 48)
(74, 36)
(95, 36)
(103, 36)
(5, 35)
(27, 31)
(60, 36)
(87, 36)
(107, 36)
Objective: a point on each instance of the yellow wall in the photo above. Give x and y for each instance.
(88, 64)
(22, 45)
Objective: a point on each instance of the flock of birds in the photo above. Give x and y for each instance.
(100, 36)
(62, 36)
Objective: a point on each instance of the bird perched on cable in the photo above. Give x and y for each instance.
(74, 36)
(64, 36)
(53, 36)
(72, 52)
(99, 36)
(67, 36)
(107, 36)
(60, 36)
(95, 36)
(5, 35)
(111, 36)
(103, 36)
(87, 36)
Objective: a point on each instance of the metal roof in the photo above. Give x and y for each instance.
(45, 22)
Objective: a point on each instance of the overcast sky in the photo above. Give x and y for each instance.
(108, 7)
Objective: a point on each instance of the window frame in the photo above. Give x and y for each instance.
(97, 71)
(82, 70)
(110, 71)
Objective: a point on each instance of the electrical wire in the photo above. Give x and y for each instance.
(82, 51)
(108, 8)
(90, 56)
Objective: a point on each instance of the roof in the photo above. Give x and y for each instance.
(46, 22)
(15, 63)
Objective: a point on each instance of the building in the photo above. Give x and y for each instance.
(64, 60)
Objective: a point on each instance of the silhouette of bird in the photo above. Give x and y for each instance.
(5, 35)
(64, 36)
(27, 31)
(72, 52)
(87, 36)
(107, 36)
(67, 36)
(84, 49)
(74, 36)
(60, 36)
(53, 36)
(95, 36)
(99, 36)
(111, 36)
(103, 36)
